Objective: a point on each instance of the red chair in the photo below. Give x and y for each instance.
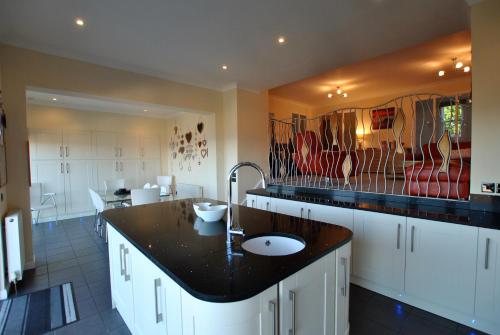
(311, 159)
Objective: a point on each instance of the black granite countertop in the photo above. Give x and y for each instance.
(457, 214)
(171, 235)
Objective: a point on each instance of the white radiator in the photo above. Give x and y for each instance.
(14, 241)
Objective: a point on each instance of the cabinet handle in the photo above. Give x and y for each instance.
(125, 253)
(62, 168)
(67, 151)
(487, 254)
(121, 166)
(301, 213)
(412, 246)
(291, 296)
(343, 262)
(308, 213)
(272, 309)
(267, 205)
(398, 242)
(61, 151)
(67, 168)
(121, 152)
(116, 166)
(116, 152)
(253, 203)
(143, 165)
(122, 271)
(159, 316)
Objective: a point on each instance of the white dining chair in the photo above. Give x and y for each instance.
(145, 196)
(99, 206)
(165, 183)
(41, 201)
(146, 186)
(113, 184)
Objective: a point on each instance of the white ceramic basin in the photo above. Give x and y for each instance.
(273, 245)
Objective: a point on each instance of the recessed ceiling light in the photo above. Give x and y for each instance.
(54, 99)
(146, 110)
(459, 65)
(441, 73)
(344, 95)
(281, 40)
(79, 21)
(339, 91)
(330, 95)
(467, 69)
(224, 67)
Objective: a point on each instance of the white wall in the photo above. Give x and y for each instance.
(193, 168)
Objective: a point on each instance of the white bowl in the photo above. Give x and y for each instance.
(208, 212)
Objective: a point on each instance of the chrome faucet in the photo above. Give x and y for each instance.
(229, 222)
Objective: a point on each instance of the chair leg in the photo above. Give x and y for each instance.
(100, 225)
(105, 232)
(57, 213)
(95, 220)
(37, 216)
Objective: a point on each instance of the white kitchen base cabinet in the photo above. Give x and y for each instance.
(488, 281)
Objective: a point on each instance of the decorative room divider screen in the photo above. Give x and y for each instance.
(414, 145)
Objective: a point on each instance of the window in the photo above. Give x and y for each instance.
(452, 120)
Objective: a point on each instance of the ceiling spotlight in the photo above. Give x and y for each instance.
(281, 40)
(224, 67)
(79, 22)
(146, 110)
(441, 73)
(467, 69)
(330, 95)
(54, 99)
(459, 65)
(344, 95)
(339, 91)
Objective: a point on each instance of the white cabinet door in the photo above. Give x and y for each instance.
(441, 264)
(46, 144)
(77, 144)
(105, 145)
(379, 250)
(251, 201)
(488, 277)
(128, 146)
(120, 260)
(343, 261)
(107, 169)
(150, 147)
(78, 180)
(127, 169)
(289, 207)
(51, 174)
(263, 203)
(149, 296)
(337, 215)
(247, 317)
(307, 299)
(148, 171)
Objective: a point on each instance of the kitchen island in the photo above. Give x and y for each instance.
(172, 273)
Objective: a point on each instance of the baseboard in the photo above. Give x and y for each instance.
(462, 318)
(66, 216)
(28, 265)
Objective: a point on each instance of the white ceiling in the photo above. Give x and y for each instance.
(81, 102)
(187, 41)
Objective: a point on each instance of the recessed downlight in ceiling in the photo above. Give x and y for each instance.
(467, 69)
(145, 110)
(224, 67)
(54, 99)
(281, 40)
(344, 95)
(330, 95)
(79, 21)
(441, 73)
(339, 90)
(459, 65)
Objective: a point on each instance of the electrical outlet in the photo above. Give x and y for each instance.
(488, 187)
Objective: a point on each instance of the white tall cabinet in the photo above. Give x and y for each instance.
(68, 162)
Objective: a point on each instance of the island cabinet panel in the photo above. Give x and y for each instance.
(488, 280)
(120, 263)
(441, 266)
(307, 299)
(251, 201)
(157, 299)
(343, 261)
(336, 215)
(257, 315)
(379, 252)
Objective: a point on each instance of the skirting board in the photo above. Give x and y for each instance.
(464, 319)
(65, 216)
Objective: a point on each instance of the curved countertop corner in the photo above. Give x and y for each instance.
(194, 253)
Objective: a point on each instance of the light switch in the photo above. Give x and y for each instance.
(488, 187)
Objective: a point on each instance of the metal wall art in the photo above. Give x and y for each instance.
(188, 147)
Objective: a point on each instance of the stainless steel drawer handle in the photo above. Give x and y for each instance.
(308, 213)
(159, 316)
(272, 309)
(67, 167)
(127, 275)
(301, 213)
(67, 151)
(412, 244)
(487, 254)
(267, 205)
(60, 151)
(253, 203)
(291, 296)
(62, 168)
(343, 261)
(122, 270)
(398, 242)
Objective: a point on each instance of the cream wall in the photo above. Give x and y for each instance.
(201, 170)
(229, 132)
(46, 117)
(486, 87)
(283, 108)
(23, 68)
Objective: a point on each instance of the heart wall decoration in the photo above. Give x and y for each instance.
(200, 126)
(204, 153)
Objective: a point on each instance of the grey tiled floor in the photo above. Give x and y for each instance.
(71, 251)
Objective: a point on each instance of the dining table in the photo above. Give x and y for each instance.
(110, 198)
